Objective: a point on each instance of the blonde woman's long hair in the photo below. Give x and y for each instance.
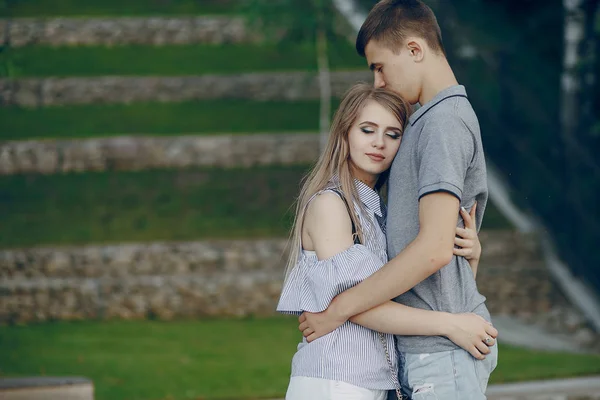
(335, 159)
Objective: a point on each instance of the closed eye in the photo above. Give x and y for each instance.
(366, 130)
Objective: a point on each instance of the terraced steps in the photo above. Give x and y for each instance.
(156, 30)
(290, 86)
(148, 152)
(199, 278)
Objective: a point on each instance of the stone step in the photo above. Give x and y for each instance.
(117, 31)
(46, 388)
(517, 333)
(237, 277)
(145, 152)
(289, 86)
(559, 389)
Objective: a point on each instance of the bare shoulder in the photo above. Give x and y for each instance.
(328, 225)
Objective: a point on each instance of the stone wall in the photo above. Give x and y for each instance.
(121, 31)
(213, 278)
(136, 153)
(39, 92)
(237, 278)
(160, 280)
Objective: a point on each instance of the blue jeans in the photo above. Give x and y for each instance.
(447, 375)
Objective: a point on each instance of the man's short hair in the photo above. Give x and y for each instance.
(390, 22)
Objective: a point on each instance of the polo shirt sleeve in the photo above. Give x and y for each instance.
(312, 287)
(445, 151)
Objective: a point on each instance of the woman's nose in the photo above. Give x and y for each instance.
(378, 142)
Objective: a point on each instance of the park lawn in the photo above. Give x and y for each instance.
(176, 60)
(70, 8)
(125, 206)
(204, 359)
(116, 207)
(155, 118)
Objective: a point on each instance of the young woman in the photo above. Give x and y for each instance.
(338, 240)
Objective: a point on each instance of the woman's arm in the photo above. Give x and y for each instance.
(466, 330)
(468, 240)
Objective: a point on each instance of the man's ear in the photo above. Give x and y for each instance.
(415, 49)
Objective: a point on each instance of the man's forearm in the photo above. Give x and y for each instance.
(418, 261)
(398, 319)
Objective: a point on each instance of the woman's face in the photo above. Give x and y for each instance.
(374, 140)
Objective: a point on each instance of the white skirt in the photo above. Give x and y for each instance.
(305, 388)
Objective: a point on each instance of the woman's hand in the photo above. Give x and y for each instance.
(468, 240)
(472, 333)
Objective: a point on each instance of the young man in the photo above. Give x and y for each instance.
(439, 168)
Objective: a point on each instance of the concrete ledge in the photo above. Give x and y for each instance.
(145, 152)
(118, 31)
(46, 388)
(559, 389)
(264, 86)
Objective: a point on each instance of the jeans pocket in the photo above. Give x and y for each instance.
(484, 368)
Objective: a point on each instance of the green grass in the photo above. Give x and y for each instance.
(48, 8)
(113, 207)
(85, 121)
(39, 61)
(208, 359)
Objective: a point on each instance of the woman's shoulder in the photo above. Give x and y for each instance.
(327, 205)
(328, 224)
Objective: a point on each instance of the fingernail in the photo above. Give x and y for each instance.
(464, 209)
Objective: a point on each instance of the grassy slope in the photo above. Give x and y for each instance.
(210, 359)
(47, 8)
(196, 59)
(230, 116)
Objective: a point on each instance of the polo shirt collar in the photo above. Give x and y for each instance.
(452, 91)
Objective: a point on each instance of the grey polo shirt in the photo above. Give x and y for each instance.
(441, 151)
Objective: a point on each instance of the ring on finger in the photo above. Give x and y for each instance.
(488, 340)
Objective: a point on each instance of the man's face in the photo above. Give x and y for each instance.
(396, 72)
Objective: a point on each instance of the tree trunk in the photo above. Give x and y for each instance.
(324, 88)
(570, 110)
(571, 80)
(589, 56)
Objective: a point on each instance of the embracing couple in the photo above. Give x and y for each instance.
(386, 294)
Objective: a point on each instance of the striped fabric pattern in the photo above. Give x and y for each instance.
(351, 353)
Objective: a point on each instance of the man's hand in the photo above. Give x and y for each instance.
(316, 325)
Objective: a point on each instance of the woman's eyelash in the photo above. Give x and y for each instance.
(366, 130)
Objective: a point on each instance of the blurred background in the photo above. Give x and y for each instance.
(151, 152)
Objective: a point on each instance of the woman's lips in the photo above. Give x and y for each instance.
(376, 157)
